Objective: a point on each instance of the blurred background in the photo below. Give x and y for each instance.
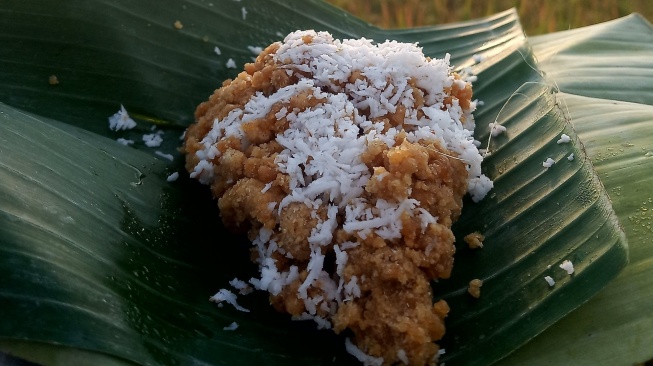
(537, 16)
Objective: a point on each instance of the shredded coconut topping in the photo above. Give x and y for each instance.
(326, 140)
(401, 355)
(153, 139)
(164, 155)
(361, 356)
(229, 297)
(125, 142)
(241, 286)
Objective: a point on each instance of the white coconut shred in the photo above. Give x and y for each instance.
(232, 326)
(173, 177)
(568, 266)
(361, 356)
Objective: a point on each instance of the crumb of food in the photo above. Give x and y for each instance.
(217, 50)
(474, 288)
(229, 297)
(231, 64)
(570, 157)
(232, 326)
(125, 142)
(178, 25)
(401, 355)
(548, 163)
(153, 139)
(243, 12)
(255, 50)
(478, 58)
(173, 177)
(549, 280)
(121, 120)
(53, 80)
(205, 39)
(564, 138)
(243, 287)
(567, 266)
(474, 240)
(164, 155)
(497, 129)
(347, 177)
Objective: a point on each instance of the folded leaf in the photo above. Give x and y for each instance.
(610, 61)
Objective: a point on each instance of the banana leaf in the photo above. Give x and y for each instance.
(101, 254)
(605, 71)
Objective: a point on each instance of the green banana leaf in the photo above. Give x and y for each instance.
(100, 253)
(606, 69)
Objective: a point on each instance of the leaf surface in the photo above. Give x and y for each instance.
(610, 104)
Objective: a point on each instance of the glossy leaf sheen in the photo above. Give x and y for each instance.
(101, 253)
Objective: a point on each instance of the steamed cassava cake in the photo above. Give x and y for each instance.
(345, 163)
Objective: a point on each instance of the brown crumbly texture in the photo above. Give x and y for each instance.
(53, 80)
(475, 287)
(474, 240)
(395, 310)
(178, 25)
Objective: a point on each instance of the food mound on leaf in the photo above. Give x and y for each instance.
(345, 162)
